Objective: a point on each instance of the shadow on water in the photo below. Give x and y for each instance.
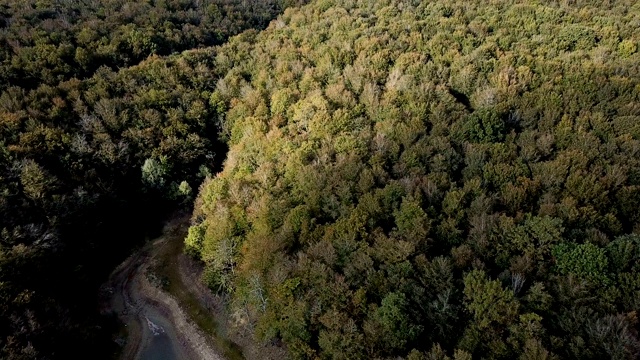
(163, 344)
(160, 348)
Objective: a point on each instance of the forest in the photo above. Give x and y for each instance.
(105, 128)
(369, 179)
(431, 180)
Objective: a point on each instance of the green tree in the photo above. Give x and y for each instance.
(394, 318)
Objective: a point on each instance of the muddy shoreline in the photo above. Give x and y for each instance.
(154, 321)
(159, 288)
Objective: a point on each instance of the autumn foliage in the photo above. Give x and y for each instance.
(431, 180)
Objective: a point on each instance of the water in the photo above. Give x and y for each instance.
(160, 348)
(162, 336)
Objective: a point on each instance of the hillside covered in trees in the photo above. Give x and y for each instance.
(440, 179)
(48, 41)
(431, 180)
(95, 147)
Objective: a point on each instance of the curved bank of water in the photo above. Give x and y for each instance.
(157, 327)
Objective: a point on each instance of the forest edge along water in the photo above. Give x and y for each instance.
(142, 291)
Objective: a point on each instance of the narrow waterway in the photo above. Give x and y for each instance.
(161, 334)
(156, 326)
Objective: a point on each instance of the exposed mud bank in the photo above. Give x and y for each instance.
(157, 327)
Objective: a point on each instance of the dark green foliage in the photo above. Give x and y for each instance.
(397, 325)
(585, 260)
(99, 138)
(422, 180)
(49, 42)
(485, 125)
(624, 253)
(439, 179)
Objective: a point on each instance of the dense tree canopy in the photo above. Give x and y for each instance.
(85, 165)
(95, 146)
(431, 180)
(422, 180)
(48, 41)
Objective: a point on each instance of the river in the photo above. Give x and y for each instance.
(157, 327)
(161, 345)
